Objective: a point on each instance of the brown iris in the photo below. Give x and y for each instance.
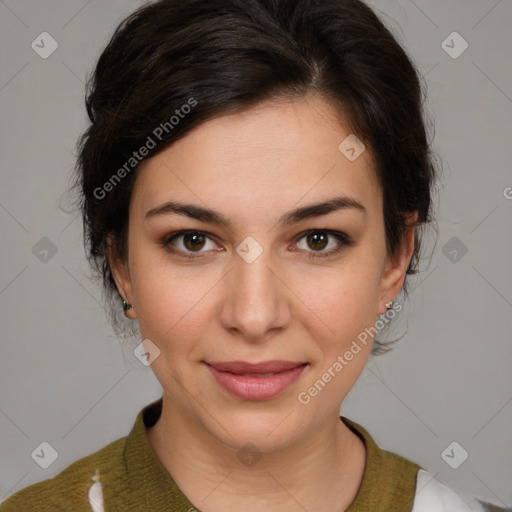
(317, 239)
(196, 241)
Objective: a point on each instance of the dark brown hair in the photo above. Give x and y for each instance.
(174, 64)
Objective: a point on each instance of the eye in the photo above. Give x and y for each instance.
(189, 244)
(192, 241)
(319, 240)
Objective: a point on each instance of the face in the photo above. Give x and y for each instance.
(265, 284)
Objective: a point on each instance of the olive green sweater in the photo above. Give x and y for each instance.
(134, 480)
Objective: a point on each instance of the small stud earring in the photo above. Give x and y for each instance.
(126, 306)
(389, 305)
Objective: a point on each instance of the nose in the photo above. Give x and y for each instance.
(256, 302)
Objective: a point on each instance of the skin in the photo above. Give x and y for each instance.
(253, 167)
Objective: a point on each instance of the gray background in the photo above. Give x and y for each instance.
(67, 380)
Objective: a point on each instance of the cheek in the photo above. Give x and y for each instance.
(340, 314)
(343, 301)
(172, 302)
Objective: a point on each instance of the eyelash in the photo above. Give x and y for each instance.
(344, 240)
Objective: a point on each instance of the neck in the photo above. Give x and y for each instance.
(325, 466)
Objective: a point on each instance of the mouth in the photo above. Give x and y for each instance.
(258, 381)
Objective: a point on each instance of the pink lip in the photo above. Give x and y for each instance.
(231, 376)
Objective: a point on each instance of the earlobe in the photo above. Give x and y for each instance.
(121, 274)
(396, 266)
(128, 310)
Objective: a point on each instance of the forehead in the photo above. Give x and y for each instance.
(260, 162)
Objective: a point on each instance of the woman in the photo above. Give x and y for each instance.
(253, 185)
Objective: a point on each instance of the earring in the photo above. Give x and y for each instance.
(389, 305)
(126, 306)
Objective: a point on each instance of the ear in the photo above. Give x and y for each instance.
(394, 272)
(121, 274)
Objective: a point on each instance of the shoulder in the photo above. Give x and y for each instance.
(389, 479)
(111, 476)
(392, 482)
(431, 495)
(73, 484)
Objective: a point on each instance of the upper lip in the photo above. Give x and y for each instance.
(243, 367)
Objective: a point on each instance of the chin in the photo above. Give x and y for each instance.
(268, 431)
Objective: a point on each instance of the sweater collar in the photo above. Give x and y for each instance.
(146, 472)
(145, 469)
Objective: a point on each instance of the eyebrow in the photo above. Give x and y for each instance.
(292, 217)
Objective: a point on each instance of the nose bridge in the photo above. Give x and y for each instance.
(254, 278)
(256, 302)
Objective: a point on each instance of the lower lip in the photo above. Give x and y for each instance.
(256, 388)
